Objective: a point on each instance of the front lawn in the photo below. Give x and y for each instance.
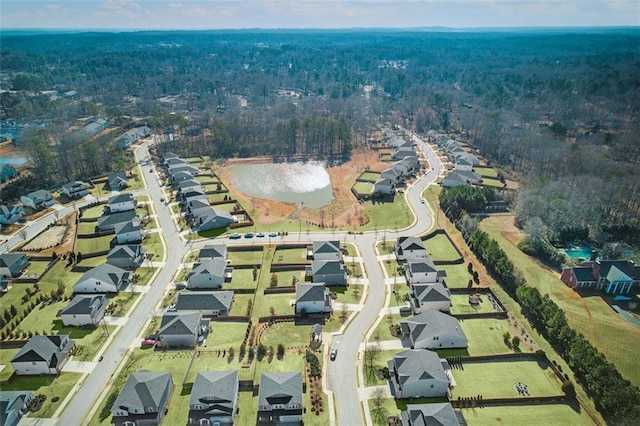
(94, 244)
(152, 244)
(439, 247)
(542, 414)
(122, 303)
(145, 273)
(384, 327)
(93, 212)
(394, 215)
(385, 247)
(391, 267)
(497, 379)
(346, 294)
(52, 387)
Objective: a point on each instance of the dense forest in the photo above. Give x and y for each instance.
(557, 109)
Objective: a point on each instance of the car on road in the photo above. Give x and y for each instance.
(248, 235)
(234, 236)
(146, 343)
(273, 234)
(334, 354)
(260, 235)
(162, 200)
(422, 200)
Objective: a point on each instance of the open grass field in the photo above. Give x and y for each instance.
(58, 274)
(282, 304)
(460, 305)
(245, 257)
(290, 255)
(457, 275)
(496, 379)
(6, 355)
(93, 245)
(591, 316)
(440, 248)
(49, 386)
(543, 414)
(287, 333)
(226, 334)
(485, 335)
(152, 244)
(395, 215)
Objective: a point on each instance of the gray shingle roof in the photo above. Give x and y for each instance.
(144, 390)
(215, 267)
(44, 348)
(435, 414)
(418, 364)
(84, 304)
(280, 388)
(431, 292)
(431, 323)
(204, 300)
(314, 292)
(121, 198)
(212, 387)
(213, 251)
(180, 323)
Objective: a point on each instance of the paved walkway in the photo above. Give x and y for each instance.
(38, 421)
(385, 345)
(626, 315)
(120, 321)
(140, 288)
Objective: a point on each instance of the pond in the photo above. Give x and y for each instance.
(14, 161)
(307, 183)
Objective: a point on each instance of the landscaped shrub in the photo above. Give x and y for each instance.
(542, 250)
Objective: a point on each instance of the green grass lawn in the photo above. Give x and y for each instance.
(85, 228)
(485, 335)
(207, 180)
(398, 298)
(460, 305)
(363, 188)
(245, 257)
(240, 303)
(591, 316)
(6, 355)
(36, 267)
(492, 182)
(135, 181)
(94, 244)
(93, 212)
(486, 171)
(351, 249)
(543, 414)
(354, 269)
(227, 207)
(226, 334)
(286, 333)
(385, 247)
(346, 294)
(391, 267)
(395, 215)
(152, 244)
(281, 303)
(49, 386)
(285, 278)
(59, 274)
(93, 261)
(370, 176)
(440, 248)
(291, 361)
(496, 379)
(145, 274)
(242, 278)
(383, 329)
(380, 361)
(291, 255)
(122, 303)
(457, 275)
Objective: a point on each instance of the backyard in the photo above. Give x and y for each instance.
(460, 304)
(439, 247)
(544, 414)
(93, 244)
(485, 335)
(290, 255)
(54, 388)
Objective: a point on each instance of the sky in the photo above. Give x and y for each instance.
(225, 14)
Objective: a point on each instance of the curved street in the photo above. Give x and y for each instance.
(341, 375)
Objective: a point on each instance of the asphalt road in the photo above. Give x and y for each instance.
(342, 378)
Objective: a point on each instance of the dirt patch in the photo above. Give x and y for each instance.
(58, 238)
(344, 209)
(508, 228)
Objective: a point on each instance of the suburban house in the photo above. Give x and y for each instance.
(213, 251)
(280, 398)
(84, 310)
(180, 176)
(422, 270)
(417, 373)
(43, 355)
(191, 192)
(393, 174)
(168, 156)
(324, 250)
(312, 298)
(75, 190)
(429, 296)
(460, 178)
(191, 208)
(91, 128)
(209, 274)
(409, 247)
(175, 161)
(132, 136)
(209, 303)
(108, 222)
(126, 256)
(122, 203)
(14, 405)
(432, 330)
(439, 413)
(129, 232)
(398, 142)
(180, 329)
(330, 272)
(38, 200)
(404, 152)
(464, 164)
(10, 214)
(188, 183)
(117, 181)
(210, 218)
(12, 264)
(105, 278)
(610, 276)
(143, 399)
(214, 398)
(180, 168)
(383, 186)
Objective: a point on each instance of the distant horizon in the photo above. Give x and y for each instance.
(203, 15)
